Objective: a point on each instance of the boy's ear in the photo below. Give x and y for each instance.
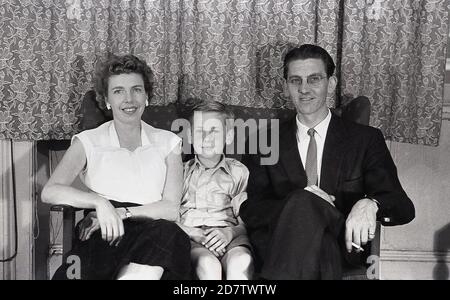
(229, 136)
(189, 135)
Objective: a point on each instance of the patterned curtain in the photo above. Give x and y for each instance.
(48, 52)
(232, 51)
(227, 50)
(394, 53)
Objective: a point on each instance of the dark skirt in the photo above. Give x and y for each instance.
(147, 242)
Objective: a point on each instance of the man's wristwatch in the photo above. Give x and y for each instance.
(128, 213)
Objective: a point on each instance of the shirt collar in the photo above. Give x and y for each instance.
(321, 128)
(115, 138)
(221, 165)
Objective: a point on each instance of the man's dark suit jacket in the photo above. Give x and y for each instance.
(356, 164)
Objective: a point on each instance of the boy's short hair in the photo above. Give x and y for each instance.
(208, 106)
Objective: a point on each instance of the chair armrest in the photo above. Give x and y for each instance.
(68, 213)
(62, 208)
(375, 244)
(370, 269)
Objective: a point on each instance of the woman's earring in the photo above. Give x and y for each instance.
(108, 106)
(146, 102)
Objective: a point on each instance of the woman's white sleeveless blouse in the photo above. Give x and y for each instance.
(121, 175)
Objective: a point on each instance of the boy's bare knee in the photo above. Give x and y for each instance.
(208, 267)
(239, 264)
(239, 259)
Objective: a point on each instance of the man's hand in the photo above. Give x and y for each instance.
(218, 239)
(317, 191)
(361, 223)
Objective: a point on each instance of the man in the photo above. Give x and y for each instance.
(333, 180)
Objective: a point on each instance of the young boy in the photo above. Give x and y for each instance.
(214, 188)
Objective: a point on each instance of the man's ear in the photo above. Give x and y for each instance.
(332, 83)
(285, 89)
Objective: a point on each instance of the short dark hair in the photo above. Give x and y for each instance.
(208, 106)
(116, 65)
(309, 51)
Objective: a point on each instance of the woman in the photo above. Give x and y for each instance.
(134, 174)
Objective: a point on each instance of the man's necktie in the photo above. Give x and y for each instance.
(311, 159)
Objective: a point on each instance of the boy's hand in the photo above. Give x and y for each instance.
(198, 235)
(217, 239)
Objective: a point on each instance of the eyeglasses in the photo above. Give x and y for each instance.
(312, 80)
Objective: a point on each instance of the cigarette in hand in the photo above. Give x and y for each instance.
(357, 247)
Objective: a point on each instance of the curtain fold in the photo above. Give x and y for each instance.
(227, 50)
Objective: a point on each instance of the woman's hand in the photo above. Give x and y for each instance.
(217, 239)
(88, 226)
(110, 222)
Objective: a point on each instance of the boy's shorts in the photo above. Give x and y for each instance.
(239, 241)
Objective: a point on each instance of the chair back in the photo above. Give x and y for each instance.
(356, 110)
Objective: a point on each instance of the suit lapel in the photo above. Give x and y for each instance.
(333, 153)
(289, 155)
